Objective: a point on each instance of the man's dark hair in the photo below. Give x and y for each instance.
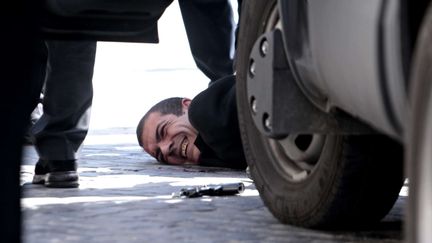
(167, 106)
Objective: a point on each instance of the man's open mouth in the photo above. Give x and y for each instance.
(184, 146)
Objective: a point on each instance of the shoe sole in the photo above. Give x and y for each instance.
(62, 184)
(38, 179)
(64, 179)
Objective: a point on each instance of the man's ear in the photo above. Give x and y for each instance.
(185, 103)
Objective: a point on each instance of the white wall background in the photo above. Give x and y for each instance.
(131, 77)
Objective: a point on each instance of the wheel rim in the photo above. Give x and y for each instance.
(295, 156)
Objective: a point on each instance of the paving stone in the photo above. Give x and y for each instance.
(126, 196)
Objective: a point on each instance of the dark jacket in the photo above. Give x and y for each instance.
(213, 113)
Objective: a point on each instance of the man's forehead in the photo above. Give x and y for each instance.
(153, 118)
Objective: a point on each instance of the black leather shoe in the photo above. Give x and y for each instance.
(56, 173)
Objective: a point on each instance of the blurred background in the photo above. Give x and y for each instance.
(131, 77)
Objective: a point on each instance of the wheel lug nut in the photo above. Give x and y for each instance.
(264, 47)
(254, 105)
(252, 68)
(267, 123)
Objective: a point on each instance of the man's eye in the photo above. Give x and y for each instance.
(163, 130)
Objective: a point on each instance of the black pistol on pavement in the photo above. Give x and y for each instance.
(211, 190)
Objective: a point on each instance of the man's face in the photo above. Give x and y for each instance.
(170, 138)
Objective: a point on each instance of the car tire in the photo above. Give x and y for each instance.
(419, 153)
(352, 181)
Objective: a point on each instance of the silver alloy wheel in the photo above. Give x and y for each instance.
(296, 160)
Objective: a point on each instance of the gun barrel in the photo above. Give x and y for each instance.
(237, 187)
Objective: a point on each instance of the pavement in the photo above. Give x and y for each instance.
(126, 196)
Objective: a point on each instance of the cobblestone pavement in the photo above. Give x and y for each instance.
(125, 196)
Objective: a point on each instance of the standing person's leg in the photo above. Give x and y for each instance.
(66, 111)
(210, 29)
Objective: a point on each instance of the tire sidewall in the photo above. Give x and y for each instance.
(271, 184)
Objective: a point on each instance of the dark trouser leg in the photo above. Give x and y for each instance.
(209, 27)
(67, 101)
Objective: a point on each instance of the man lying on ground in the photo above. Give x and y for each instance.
(202, 131)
